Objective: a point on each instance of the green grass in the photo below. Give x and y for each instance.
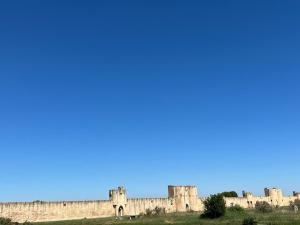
(279, 217)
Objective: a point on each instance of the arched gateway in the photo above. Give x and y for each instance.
(120, 211)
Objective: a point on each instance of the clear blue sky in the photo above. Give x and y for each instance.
(96, 94)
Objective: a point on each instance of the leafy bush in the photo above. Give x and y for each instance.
(263, 207)
(214, 207)
(5, 221)
(249, 221)
(229, 194)
(148, 212)
(157, 211)
(235, 208)
(160, 211)
(297, 203)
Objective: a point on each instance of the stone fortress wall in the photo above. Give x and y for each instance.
(273, 196)
(180, 199)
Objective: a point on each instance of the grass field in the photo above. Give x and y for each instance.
(231, 218)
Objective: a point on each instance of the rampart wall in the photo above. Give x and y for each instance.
(51, 211)
(136, 206)
(180, 199)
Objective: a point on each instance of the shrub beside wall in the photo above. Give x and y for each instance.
(157, 211)
(7, 221)
(235, 208)
(214, 207)
(263, 207)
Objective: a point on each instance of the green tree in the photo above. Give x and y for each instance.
(229, 194)
(214, 207)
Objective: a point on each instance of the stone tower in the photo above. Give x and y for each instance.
(118, 197)
(249, 197)
(275, 195)
(185, 197)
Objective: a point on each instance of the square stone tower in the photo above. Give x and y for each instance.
(185, 197)
(118, 197)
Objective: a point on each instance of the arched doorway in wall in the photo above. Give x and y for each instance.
(187, 207)
(120, 211)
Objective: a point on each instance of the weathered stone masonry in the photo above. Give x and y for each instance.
(180, 199)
